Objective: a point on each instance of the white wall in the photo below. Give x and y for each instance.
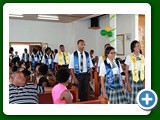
(126, 24)
(68, 34)
(32, 31)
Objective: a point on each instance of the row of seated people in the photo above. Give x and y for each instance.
(19, 84)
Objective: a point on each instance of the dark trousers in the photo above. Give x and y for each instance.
(83, 79)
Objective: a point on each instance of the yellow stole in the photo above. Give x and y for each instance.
(103, 57)
(60, 57)
(135, 68)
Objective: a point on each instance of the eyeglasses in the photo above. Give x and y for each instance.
(112, 53)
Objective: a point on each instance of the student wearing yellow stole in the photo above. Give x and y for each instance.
(102, 57)
(111, 79)
(62, 58)
(135, 66)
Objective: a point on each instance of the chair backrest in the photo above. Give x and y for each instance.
(96, 84)
(45, 98)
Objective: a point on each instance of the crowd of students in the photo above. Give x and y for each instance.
(53, 71)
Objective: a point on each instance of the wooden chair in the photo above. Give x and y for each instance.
(45, 98)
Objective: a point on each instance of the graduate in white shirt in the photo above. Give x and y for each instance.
(34, 58)
(62, 58)
(111, 79)
(135, 71)
(81, 70)
(25, 56)
(48, 59)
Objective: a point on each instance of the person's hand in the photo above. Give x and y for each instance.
(75, 80)
(129, 87)
(105, 95)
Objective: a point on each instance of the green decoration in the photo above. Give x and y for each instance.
(103, 32)
(110, 34)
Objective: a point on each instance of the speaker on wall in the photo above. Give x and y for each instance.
(95, 22)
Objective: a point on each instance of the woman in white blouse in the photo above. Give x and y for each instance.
(135, 71)
(111, 82)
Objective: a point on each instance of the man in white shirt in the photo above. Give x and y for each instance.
(81, 70)
(62, 58)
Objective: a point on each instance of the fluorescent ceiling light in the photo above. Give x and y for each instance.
(48, 16)
(16, 15)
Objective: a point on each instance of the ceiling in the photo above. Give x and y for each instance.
(63, 18)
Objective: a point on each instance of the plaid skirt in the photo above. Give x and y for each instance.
(115, 96)
(136, 87)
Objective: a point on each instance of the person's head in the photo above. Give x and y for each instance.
(26, 74)
(16, 53)
(34, 51)
(43, 69)
(91, 52)
(81, 44)
(37, 69)
(106, 45)
(11, 49)
(110, 53)
(48, 50)
(61, 47)
(135, 46)
(62, 75)
(96, 58)
(25, 50)
(55, 51)
(28, 66)
(21, 64)
(122, 64)
(18, 79)
(14, 69)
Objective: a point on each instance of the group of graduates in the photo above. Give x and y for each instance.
(61, 68)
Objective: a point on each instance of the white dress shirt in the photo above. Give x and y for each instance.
(115, 70)
(56, 60)
(128, 62)
(48, 57)
(100, 60)
(35, 57)
(71, 63)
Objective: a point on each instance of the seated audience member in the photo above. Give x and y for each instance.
(21, 92)
(37, 73)
(14, 69)
(27, 76)
(43, 81)
(21, 65)
(60, 93)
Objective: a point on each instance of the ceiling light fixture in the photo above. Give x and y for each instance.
(48, 16)
(16, 15)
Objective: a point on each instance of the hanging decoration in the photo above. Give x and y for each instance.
(107, 32)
